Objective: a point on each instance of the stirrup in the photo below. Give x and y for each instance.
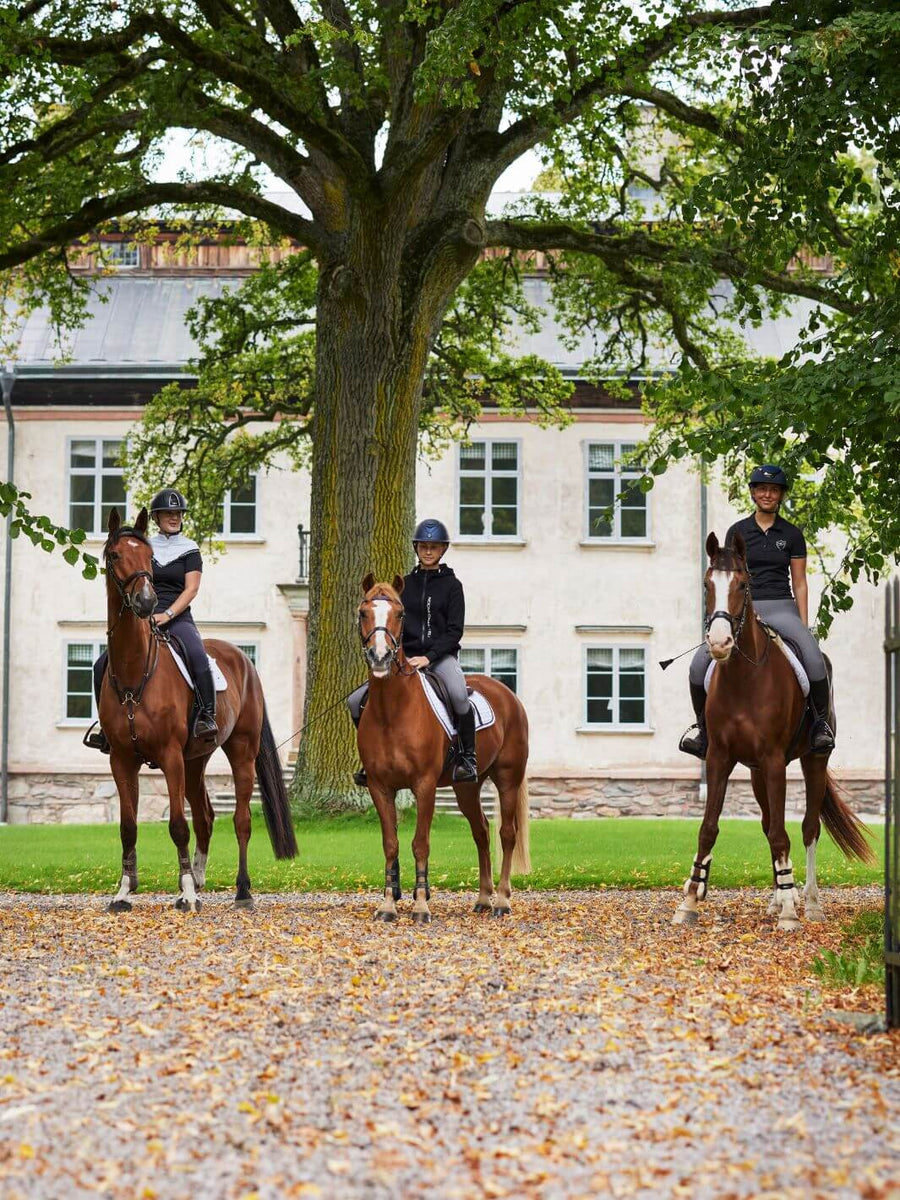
(96, 741)
(464, 770)
(360, 779)
(697, 745)
(205, 727)
(821, 737)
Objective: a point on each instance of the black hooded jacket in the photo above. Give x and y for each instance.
(435, 613)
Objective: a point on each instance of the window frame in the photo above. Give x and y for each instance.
(97, 473)
(111, 251)
(616, 537)
(254, 645)
(461, 473)
(615, 726)
(97, 647)
(487, 651)
(225, 532)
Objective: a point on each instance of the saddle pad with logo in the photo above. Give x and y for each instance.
(802, 677)
(484, 714)
(218, 678)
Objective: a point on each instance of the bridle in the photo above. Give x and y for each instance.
(394, 641)
(131, 697)
(737, 631)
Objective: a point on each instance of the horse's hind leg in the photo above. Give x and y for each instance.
(779, 843)
(180, 833)
(125, 772)
(696, 885)
(202, 815)
(468, 797)
(241, 757)
(383, 799)
(507, 782)
(758, 780)
(815, 769)
(421, 846)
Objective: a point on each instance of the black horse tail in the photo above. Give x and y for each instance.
(275, 804)
(843, 824)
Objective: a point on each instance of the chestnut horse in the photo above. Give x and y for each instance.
(402, 745)
(145, 710)
(756, 714)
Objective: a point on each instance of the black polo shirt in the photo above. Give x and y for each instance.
(769, 554)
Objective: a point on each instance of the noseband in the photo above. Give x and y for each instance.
(736, 632)
(394, 641)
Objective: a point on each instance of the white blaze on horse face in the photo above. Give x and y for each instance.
(381, 610)
(719, 636)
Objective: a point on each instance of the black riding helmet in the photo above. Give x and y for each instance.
(431, 530)
(168, 500)
(769, 473)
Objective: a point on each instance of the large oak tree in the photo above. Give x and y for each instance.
(391, 122)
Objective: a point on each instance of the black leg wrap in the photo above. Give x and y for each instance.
(392, 879)
(422, 881)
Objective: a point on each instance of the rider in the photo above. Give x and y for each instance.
(776, 559)
(177, 568)
(434, 616)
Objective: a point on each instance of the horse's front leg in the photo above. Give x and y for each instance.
(125, 772)
(179, 831)
(785, 890)
(815, 769)
(696, 886)
(383, 799)
(421, 846)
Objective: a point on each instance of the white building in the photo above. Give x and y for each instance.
(573, 613)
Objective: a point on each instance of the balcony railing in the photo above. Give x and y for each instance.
(303, 564)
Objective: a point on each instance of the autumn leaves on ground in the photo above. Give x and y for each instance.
(583, 1047)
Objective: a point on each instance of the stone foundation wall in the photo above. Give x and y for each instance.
(86, 799)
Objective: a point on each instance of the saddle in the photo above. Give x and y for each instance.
(437, 696)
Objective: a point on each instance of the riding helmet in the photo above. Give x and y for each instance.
(769, 473)
(431, 530)
(168, 500)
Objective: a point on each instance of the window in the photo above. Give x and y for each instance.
(489, 490)
(251, 649)
(616, 687)
(608, 483)
(80, 657)
(121, 254)
(499, 663)
(96, 483)
(239, 511)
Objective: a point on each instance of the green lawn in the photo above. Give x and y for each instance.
(345, 855)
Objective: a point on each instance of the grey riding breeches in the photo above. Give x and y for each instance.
(783, 616)
(451, 674)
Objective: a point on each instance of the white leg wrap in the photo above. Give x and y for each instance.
(786, 890)
(700, 876)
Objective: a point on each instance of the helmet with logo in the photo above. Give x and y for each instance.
(769, 473)
(168, 500)
(431, 530)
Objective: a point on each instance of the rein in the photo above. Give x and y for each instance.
(130, 698)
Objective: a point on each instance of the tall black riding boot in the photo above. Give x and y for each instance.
(821, 736)
(96, 739)
(205, 726)
(465, 769)
(699, 743)
(359, 777)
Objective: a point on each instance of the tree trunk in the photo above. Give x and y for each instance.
(370, 365)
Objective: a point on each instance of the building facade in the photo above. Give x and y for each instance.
(572, 611)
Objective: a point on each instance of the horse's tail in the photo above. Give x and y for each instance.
(275, 804)
(845, 827)
(521, 856)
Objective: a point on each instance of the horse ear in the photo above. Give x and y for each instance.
(114, 522)
(398, 584)
(712, 545)
(141, 522)
(368, 583)
(739, 546)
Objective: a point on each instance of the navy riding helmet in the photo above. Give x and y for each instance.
(431, 530)
(168, 500)
(769, 473)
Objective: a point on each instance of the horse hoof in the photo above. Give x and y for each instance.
(387, 916)
(245, 902)
(185, 906)
(119, 906)
(789, 923)
(686, 916)
(421, 918)
(814, 914)
(500, 912)
(481, 908)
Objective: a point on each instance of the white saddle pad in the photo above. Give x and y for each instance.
(802, 677)
(484, 714)
(218, 678)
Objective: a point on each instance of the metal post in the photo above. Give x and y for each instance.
(891, 805)
(7, 379)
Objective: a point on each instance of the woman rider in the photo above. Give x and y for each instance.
(776, 559)
(435, 614)
(177, 569)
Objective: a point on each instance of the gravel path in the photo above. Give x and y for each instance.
(582, 1048)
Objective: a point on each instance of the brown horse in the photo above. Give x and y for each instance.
(756, 714)
(402, 745)
(145, 710)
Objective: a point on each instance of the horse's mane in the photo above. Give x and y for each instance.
(124, 531)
